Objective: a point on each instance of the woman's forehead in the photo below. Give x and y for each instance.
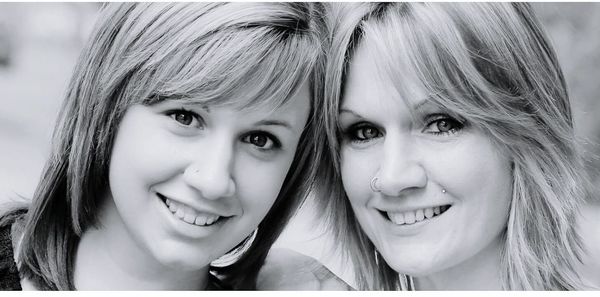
(378, 71)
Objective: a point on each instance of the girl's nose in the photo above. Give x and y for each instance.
(211, 172)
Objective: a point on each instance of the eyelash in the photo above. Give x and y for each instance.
(182, 111)
(276, 143)
(246, 138)
(457, 125)
(352, 132)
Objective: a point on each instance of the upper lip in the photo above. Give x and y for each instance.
(199, 208)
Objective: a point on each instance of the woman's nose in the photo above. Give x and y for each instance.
(401, 169)
(210, 171)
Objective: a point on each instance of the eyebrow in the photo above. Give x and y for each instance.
(281, 123)
(420, 105)
(184, 100)
(197, 104)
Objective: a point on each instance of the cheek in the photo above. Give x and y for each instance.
(479, 177)
(258, 184)
(142, 157)
(473, 166)
(357, 169)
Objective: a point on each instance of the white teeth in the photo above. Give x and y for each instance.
(410, 217)
(419, 215)
(429, 213)
(189, 218)
(190, 215)
(200, 221)
(180, 213)
(396, 217)
(211, 220)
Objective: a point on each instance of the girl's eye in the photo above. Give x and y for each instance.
(443, 125)
(363, 132)
(186, 118)
(262, 140)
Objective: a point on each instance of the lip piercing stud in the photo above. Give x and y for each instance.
(444, 191)
(374, 185)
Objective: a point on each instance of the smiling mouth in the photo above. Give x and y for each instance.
(415, 216)
(189, 215)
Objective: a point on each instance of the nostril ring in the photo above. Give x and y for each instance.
(373, 185)
(444, 191)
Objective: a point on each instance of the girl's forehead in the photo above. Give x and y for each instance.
(243, 99)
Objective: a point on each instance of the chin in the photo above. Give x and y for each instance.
(413, 265)
(179, 259)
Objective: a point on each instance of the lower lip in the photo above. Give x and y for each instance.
(411, 229)
(189, 230)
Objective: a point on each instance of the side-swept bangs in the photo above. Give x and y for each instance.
(236, 55)
(239, 54)
(491, 65)
(476, 62)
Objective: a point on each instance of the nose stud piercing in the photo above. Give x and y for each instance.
(444, 191)
(374, 185)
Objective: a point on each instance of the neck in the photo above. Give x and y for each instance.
(480, 272)
(108, 258)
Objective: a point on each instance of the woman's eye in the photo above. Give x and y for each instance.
(363, 132)
(262, 141)
(186, 118)
(443, 125)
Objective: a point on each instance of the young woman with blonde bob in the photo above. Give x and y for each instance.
(452, 159)
(180, 152)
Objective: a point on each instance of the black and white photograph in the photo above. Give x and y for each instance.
(300, 146)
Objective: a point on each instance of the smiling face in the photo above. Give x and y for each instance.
(189, 182)
(442, 191)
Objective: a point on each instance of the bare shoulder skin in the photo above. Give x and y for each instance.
(285, 269)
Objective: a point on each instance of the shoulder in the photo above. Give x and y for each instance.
(285, 269)
(9, 275)
(589, 229)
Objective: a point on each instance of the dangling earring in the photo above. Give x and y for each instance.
(234, 255)
(376, 258)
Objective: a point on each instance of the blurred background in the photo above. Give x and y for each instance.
(40, 43)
